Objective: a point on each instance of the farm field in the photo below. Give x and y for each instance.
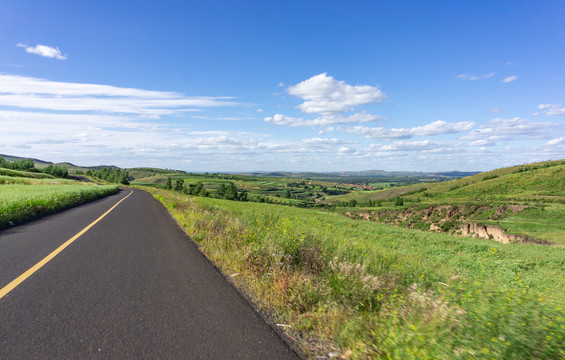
(25, 195)
(316, 190)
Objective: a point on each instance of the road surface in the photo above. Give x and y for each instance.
(131, 287)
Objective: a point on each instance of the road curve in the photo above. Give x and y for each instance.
(131, 287)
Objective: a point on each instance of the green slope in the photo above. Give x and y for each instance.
(526, 200)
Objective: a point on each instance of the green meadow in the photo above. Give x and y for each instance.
(25, 195)
(364, 290)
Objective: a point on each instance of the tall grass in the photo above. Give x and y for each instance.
(19, 202)
(363, 290)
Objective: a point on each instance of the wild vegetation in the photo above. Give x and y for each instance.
(364, 290)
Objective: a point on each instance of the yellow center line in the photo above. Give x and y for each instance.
(6, 289)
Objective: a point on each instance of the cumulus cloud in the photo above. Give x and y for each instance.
(346, 150)
(551, 109)
(329, 100)
(325, 95)
(438, 127)
(473, 77)
(509, 79)
(43, 50)
(324, 120)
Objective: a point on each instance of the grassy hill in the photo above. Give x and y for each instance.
(526, 200)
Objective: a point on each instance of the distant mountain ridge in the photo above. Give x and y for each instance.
(42, 163)
(364, 173)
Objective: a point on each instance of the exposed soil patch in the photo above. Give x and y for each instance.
(461, 220)
(495, 233)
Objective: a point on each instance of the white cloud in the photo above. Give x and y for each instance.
(325, 95)
(496, 110)
(551, 109)
(506, 129)
(34, 93)
(509, 79)
(346, 150)
(324, 120)
(43, 50)
(322, 141)
(483, 142)
(473, 77)
(557, 141)
(435, 128)
(409, 146)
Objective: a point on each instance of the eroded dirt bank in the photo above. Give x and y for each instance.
(460, 220)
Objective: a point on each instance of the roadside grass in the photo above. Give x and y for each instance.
(23, 201)
(364, 290)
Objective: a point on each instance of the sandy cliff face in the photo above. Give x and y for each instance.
(490, 232)
(496, 233)
(458, 218)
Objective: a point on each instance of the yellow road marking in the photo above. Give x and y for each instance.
(6, 289)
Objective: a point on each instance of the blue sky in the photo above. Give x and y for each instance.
(284, 85)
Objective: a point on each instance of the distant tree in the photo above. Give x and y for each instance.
(231, 192)
(399, 201)
(221, 191)
(169, 184)
(198, 188)
(57, 171)
(22, 165)
(179, 184)
(352, 203)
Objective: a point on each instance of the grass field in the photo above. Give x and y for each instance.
(526, 200)
(364, 290)
(22, 200)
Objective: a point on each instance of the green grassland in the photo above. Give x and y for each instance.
(527, 200)
(365, 290)
(25, 195)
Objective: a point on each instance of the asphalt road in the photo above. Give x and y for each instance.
(131, 287)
